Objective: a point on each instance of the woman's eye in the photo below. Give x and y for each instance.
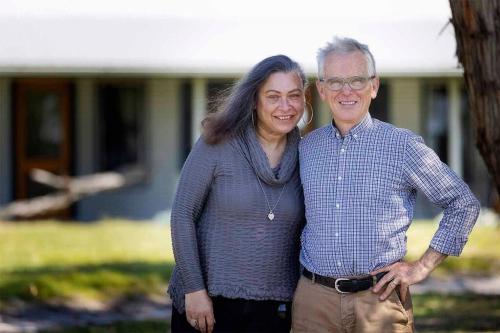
(273, 98)
(295, 96)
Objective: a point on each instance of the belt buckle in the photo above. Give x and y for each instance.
(337, 286)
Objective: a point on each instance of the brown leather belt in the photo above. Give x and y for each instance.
(344, 286)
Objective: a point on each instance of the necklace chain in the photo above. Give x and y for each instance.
(270, 215)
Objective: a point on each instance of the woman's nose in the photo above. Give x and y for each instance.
(284, 103)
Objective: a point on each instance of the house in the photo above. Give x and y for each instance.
(91, 93)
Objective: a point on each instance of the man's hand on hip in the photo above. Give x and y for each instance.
(403, 274)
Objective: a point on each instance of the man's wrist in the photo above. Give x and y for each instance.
(430, 260)
(425, 266)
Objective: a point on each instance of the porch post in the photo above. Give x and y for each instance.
(85, 127)
(455, 136)
(5, 143)
(199, 103)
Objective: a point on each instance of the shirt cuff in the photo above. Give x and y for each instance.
(451, 245)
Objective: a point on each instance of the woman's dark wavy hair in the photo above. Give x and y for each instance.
(234, 112)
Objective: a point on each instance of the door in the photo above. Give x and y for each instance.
(42, 139)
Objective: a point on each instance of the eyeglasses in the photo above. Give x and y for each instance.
(355, 82)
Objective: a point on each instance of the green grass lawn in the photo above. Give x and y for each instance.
(481, 255)
(57, 262)
(456, 313)
(43, 261)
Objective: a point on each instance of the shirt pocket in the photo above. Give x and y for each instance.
(383, 179)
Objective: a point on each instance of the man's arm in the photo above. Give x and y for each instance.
(424, 170)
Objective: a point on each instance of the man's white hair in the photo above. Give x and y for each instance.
(342, 46)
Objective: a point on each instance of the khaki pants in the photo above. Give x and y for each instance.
(317, 308)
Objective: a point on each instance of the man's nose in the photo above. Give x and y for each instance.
(346, 88)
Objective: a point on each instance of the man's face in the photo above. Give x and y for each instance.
(348, 106)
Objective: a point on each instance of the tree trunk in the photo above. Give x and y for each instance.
(477, 31)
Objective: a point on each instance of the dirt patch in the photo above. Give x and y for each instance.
(19, 316)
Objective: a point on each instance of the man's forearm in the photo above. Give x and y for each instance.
(431, 259)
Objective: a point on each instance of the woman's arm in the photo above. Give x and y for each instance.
(194, 185)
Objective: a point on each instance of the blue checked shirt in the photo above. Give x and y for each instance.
(360, 192)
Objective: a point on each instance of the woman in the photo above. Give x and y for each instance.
(238, 210)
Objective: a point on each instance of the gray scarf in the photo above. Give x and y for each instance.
(251, 149)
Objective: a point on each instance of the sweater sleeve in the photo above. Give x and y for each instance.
(192, 191)
(424, 170)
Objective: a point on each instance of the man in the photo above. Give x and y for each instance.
(360, 177)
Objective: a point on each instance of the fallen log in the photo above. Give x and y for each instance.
(69, 190)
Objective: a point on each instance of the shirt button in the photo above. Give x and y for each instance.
(336, 234)
(339, 263)
(355, 136)
(342, 150)
(337, 205)
(337, 135)
(339, 178)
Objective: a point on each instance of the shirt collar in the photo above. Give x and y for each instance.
(356, 131)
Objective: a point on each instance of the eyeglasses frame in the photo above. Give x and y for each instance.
(348, 82)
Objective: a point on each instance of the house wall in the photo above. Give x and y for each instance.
(155, 194)
(5, 143)
(405, 103)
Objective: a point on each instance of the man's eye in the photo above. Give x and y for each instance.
(358, 80)
(334, 82)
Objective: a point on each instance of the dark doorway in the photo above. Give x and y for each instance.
(42, 134)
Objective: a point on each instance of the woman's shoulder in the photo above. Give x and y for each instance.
(214, 150)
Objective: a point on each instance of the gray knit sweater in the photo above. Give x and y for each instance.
(222, 238)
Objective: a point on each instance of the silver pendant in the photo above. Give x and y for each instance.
(270, 216)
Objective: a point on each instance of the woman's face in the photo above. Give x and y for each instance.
(280, 103)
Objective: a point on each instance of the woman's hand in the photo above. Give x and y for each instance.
(199, 311)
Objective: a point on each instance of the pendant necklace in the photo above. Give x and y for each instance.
(270, 215)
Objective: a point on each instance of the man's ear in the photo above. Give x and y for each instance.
(375, 86)
(321, 90)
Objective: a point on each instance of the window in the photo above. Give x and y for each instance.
(121, 118)
(436, 119)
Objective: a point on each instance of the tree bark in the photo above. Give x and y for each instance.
(477, 31)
